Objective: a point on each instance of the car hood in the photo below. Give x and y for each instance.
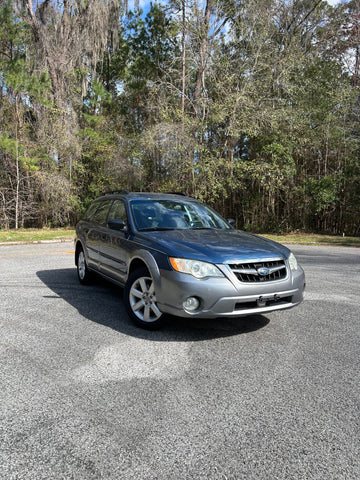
(215, 246)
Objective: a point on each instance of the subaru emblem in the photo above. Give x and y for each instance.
(263, 271)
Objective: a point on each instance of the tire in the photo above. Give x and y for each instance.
(140, 300)
(84, 275)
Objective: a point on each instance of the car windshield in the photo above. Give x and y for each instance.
(175, 214)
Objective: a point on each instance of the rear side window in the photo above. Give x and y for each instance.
(101, 213)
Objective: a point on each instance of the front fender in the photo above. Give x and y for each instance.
(149, 260)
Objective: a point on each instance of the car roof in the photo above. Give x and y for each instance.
(144, 196)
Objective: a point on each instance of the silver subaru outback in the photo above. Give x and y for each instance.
(175, 255)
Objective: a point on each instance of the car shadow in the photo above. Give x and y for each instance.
(101, 302)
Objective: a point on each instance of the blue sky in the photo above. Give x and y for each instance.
(144, 4)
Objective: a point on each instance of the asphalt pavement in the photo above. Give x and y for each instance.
(86, 395)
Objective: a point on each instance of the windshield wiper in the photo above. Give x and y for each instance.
(204, 228)
(155, 229)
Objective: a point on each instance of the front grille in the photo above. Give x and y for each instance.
(257, 272)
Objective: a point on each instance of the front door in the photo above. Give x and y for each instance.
(114, 250)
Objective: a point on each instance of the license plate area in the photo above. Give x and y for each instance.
(264, 301)
(267, 300)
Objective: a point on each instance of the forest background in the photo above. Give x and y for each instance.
(251, 106)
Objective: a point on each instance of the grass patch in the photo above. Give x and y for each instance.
(314, 239)
(29, 235)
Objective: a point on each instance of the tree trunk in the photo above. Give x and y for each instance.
(204, 41)
(183, 58)
(17, 163)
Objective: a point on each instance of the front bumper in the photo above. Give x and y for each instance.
(226, 296)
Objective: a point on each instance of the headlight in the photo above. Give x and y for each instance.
(195, 268)
(293, 262)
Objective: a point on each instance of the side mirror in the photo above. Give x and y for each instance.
(119, 225)
(232, 222)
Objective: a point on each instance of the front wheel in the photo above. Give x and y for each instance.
(140, 300)
(84, 275)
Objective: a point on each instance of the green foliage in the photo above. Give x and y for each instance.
(322, 193)
(267, 130)
(17, 78)
(10, 146)
(15, 66)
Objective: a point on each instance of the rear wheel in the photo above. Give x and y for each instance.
(140, 300)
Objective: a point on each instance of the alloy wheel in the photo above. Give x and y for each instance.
(142, 300)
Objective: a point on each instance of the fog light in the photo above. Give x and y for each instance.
(191, 304)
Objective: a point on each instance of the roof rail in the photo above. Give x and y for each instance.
(176, 193)
(113, 192)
